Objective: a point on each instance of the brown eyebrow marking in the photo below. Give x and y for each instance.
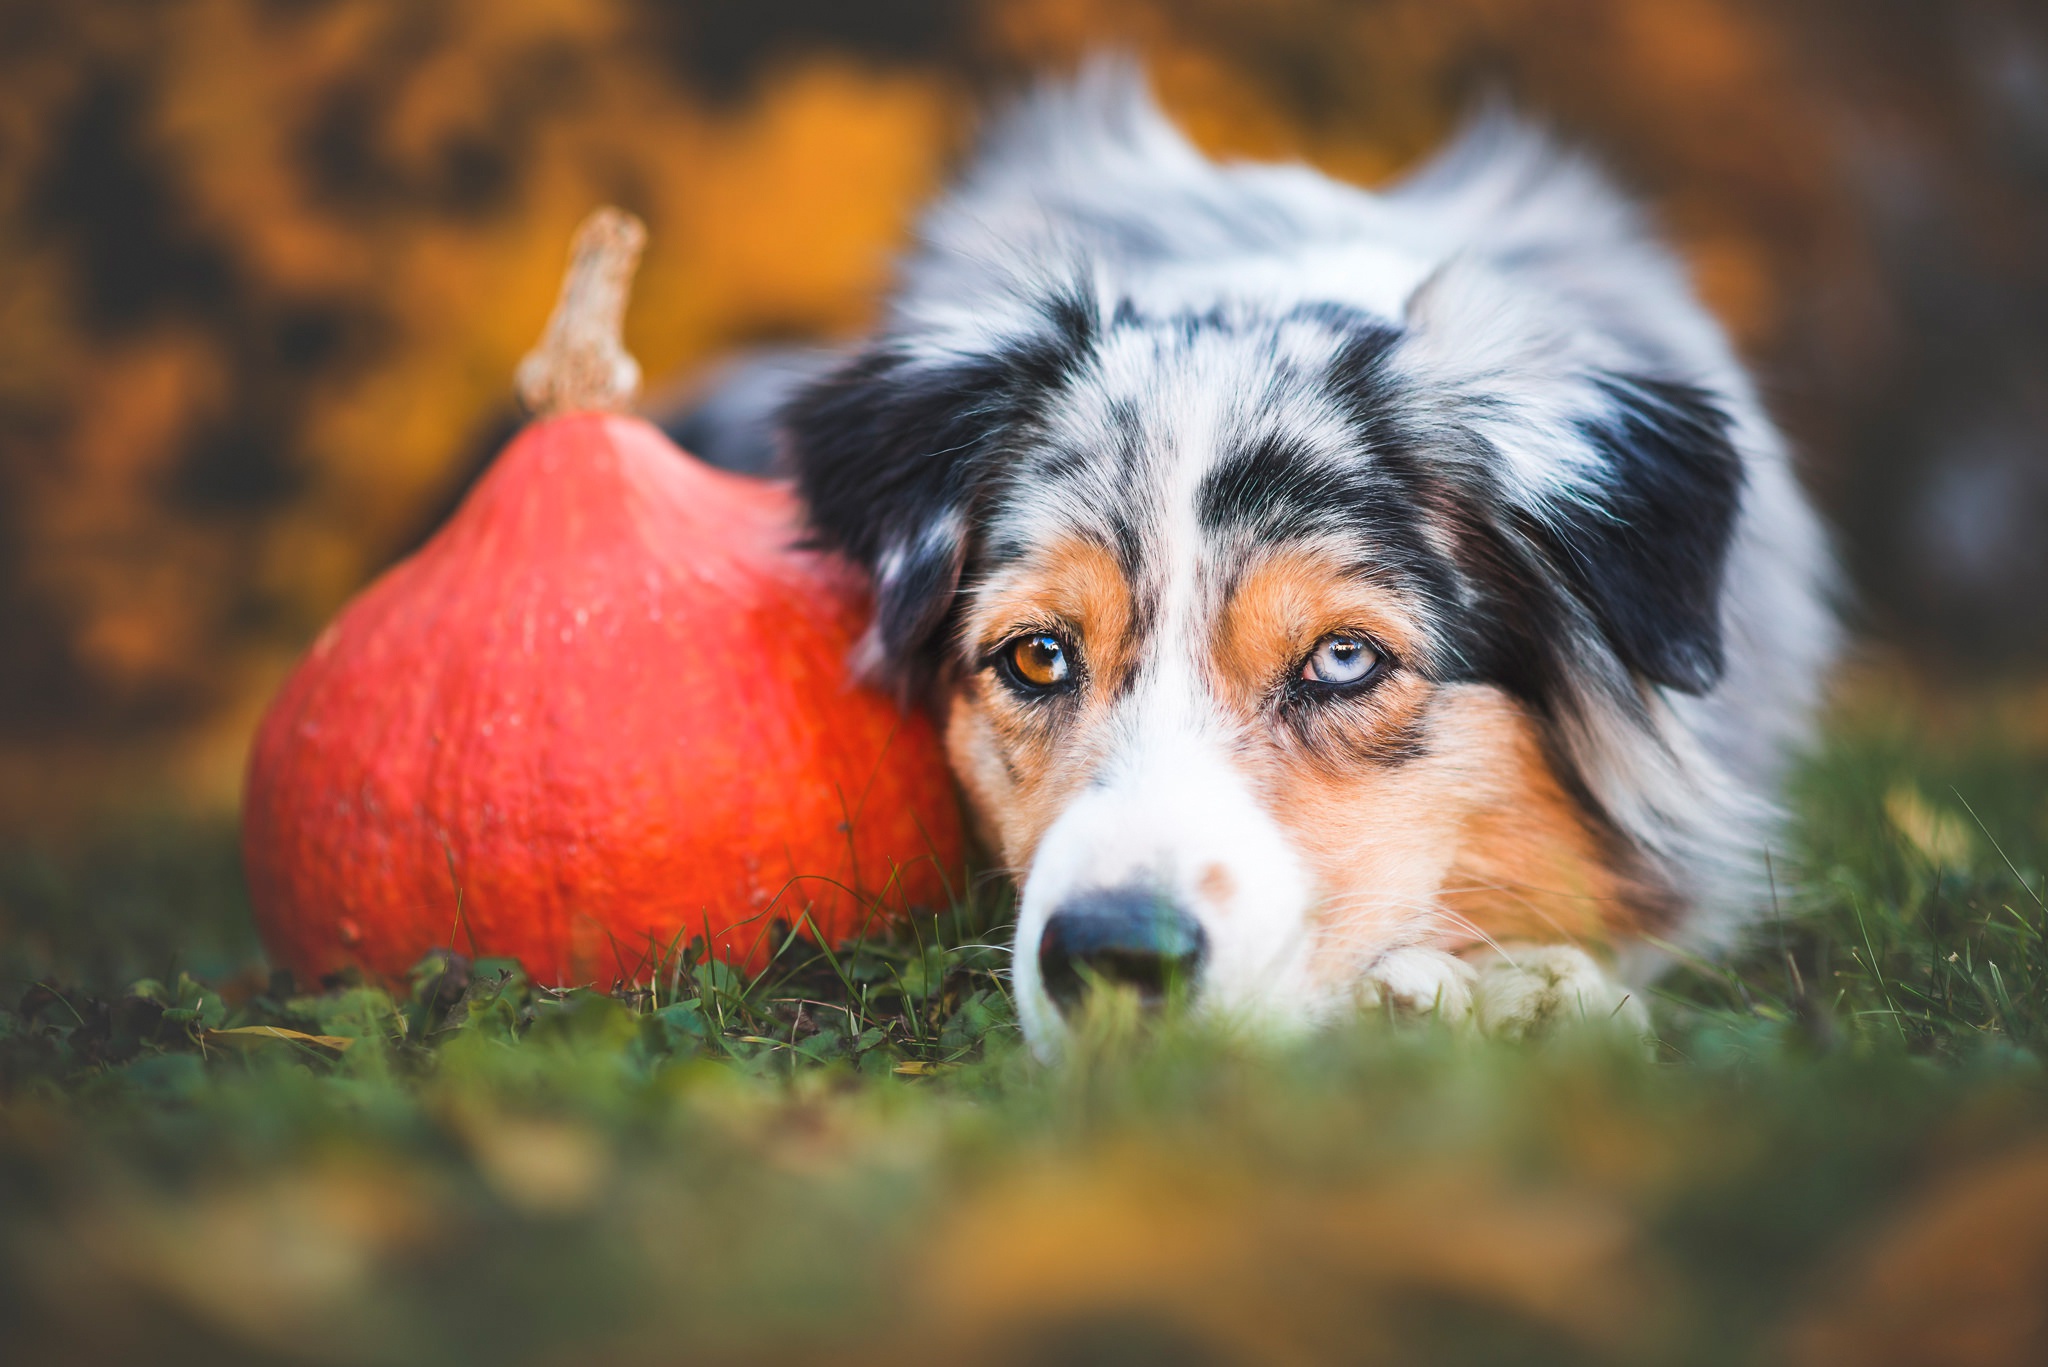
(1074, 583)
(1018, 768)
(1285, 602)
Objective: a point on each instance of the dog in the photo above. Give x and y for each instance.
(1329, 599)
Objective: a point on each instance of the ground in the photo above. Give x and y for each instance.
(1838, 1155)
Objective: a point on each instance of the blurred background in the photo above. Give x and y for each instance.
(266, 267)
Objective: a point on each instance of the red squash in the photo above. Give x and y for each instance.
(609, 702)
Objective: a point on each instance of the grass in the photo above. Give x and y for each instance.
(1841, 1154)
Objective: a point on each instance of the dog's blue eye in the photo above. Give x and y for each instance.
(1037, 661)
(1339, 660)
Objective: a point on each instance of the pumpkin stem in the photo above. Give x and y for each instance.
(580, 362)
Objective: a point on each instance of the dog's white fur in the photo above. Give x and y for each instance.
(1516, 278)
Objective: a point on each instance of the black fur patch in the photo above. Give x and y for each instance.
(1276, 488)
(1649, 562)
(1643, 569)
(891, 452)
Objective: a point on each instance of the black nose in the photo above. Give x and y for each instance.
(1132, 937)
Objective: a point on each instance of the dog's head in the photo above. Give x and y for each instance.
(1275, 555)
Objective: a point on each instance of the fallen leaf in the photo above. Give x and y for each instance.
(247, 1034)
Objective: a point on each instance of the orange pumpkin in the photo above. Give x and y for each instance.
(607, 707)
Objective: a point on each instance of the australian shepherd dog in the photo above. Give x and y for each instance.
(1328, 597)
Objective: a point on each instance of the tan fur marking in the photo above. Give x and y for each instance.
(1019, 762)
(1534, 868)
(1286, 603)
(1217, 886)
(1074, 584)
(1474, 840)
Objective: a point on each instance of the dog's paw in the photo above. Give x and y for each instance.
(1420, 982)
(1529, 990)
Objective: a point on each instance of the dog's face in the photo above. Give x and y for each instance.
(1250, 663)
(1309, 581)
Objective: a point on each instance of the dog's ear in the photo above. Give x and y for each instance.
(1629, 486)
(884, 450)
(890, 452)
(1644, 545)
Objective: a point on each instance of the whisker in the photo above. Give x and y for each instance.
(1355, 909)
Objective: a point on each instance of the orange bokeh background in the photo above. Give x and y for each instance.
(266, 267)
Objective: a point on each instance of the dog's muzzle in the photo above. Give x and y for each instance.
(1132, 937)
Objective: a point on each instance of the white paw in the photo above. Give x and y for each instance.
(1527, 990)
(1420, 982)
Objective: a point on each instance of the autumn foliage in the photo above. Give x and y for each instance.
(268, 264)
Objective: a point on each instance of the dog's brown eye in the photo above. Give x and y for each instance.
(1037, 661)
(1339, 660)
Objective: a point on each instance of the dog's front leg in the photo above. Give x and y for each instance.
(1523, 990)
(1420, 982)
